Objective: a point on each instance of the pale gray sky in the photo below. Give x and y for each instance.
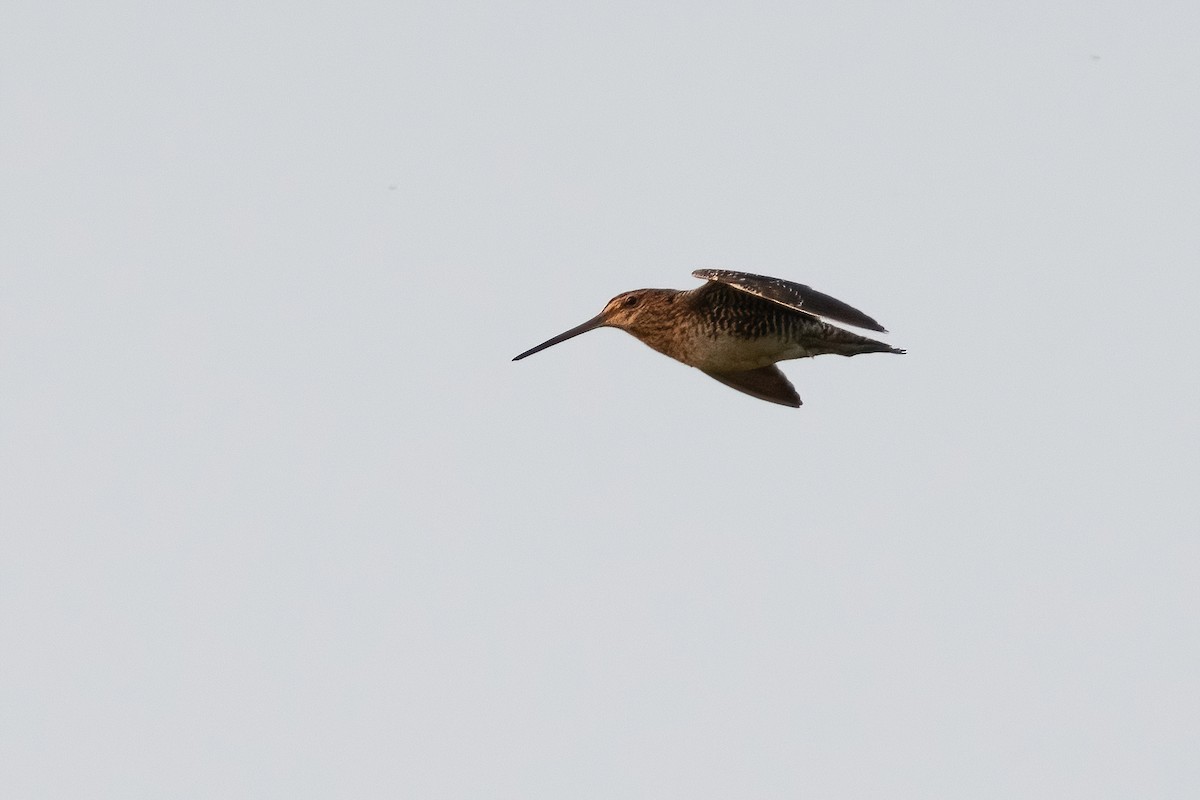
(281, 519)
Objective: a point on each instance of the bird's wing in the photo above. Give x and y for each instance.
(766, 383)
(795, 296)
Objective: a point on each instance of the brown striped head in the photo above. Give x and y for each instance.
(645, 313)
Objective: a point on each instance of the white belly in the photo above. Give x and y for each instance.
(732, 354)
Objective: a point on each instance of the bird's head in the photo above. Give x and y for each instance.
(640, 312)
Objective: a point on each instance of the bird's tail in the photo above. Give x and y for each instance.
(845, 343)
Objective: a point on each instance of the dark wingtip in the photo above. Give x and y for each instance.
(858, 319)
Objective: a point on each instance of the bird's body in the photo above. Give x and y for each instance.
(736, 327)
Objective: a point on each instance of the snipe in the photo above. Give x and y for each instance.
(735, 327)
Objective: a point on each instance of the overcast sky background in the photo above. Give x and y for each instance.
(279, 517)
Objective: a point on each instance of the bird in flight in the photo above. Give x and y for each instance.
(736, 327)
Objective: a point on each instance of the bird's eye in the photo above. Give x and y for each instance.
(631, 301)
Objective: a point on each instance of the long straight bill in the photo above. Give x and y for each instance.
(590, 325)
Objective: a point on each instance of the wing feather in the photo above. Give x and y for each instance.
(795, 296)
(766, 383)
